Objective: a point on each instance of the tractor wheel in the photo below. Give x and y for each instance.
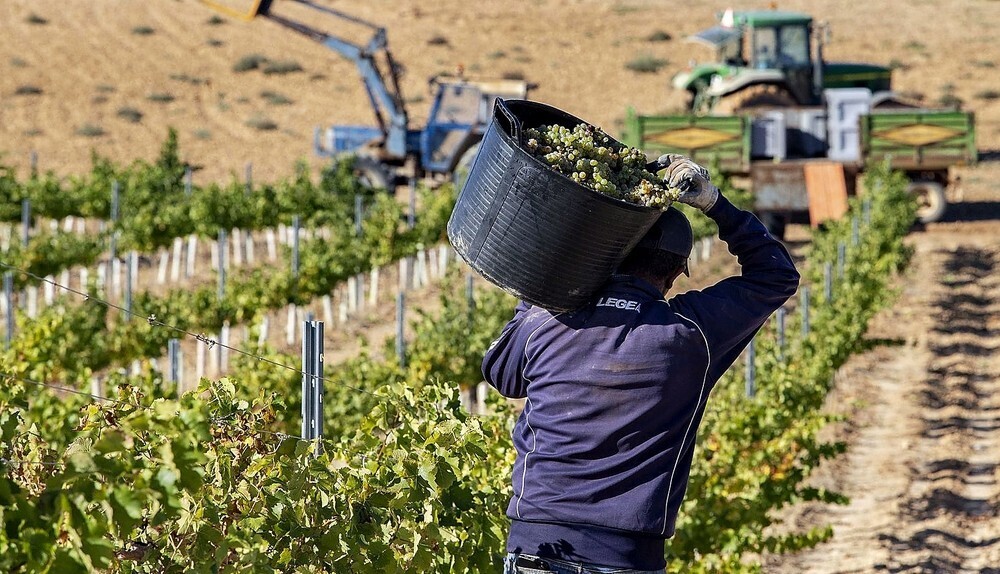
(931, 201)
(464, 166)
(754, 97)
(371, 173)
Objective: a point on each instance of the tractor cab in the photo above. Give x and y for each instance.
(459, 115)
(768, 58)
(782, 43)
(753, 49)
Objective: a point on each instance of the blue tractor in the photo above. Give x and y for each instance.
(391, 152)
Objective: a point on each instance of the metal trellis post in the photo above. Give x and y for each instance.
(400, 320)
(223, 248)
(8, 293)
(129, 280)
(751, 371)
(174, 357)
(312, 380)
(296, 229)
(113, 239)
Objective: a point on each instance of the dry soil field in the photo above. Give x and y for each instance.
(924, 433)
(79, 67)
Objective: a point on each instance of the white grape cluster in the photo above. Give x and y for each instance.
(590, 157)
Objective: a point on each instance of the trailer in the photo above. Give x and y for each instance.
(801, 163)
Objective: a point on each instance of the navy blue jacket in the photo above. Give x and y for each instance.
(615, 393)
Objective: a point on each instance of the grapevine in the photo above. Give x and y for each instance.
(406, 480)
(591, 158)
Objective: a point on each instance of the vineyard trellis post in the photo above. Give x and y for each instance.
(192, 255)
(32, 295)
(222, 250)
(129, 282)
(312, 380)
(751, 370)
(188, 183)
(175, 268)
(199, 362)
(265, 324)
(8, 295)
(48, 290)
(113, 237)
(866, 211)
(400, 323)
(855, 231)
(33, 162)
(174, 359)
(224, 337)
(296, 229)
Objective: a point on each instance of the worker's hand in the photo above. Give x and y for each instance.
(692, 179)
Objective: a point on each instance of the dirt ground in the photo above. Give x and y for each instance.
(923, 429)
(69, 69)
(922, 467)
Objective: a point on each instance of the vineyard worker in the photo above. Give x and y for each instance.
(616, 390)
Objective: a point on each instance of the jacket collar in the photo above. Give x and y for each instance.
(631, 283)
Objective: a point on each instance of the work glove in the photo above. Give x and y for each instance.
(691, 179)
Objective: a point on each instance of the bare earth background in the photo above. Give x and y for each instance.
(924, 434)
(91, 59)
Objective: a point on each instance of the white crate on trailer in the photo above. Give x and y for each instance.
(845, 106)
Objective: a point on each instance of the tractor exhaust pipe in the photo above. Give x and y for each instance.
(822, 35)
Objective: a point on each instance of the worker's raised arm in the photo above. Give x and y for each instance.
(730, 312)
(504, 361)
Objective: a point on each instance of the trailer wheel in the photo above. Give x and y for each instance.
(371, 173)
(931, 202)
(754, 97)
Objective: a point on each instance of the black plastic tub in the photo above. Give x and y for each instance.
(532, 231)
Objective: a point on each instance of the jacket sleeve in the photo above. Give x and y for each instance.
(504, 361)
(731, 312)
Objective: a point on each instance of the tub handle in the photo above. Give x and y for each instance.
(510, 121)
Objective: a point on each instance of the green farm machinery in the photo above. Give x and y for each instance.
(771, 58)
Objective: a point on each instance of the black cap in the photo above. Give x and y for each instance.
(671, 233)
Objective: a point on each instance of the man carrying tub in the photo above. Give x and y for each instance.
(616, 389)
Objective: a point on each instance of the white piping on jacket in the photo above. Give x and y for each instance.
(680, 449)
(534, 437)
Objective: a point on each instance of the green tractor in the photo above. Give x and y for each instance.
(765, 58)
